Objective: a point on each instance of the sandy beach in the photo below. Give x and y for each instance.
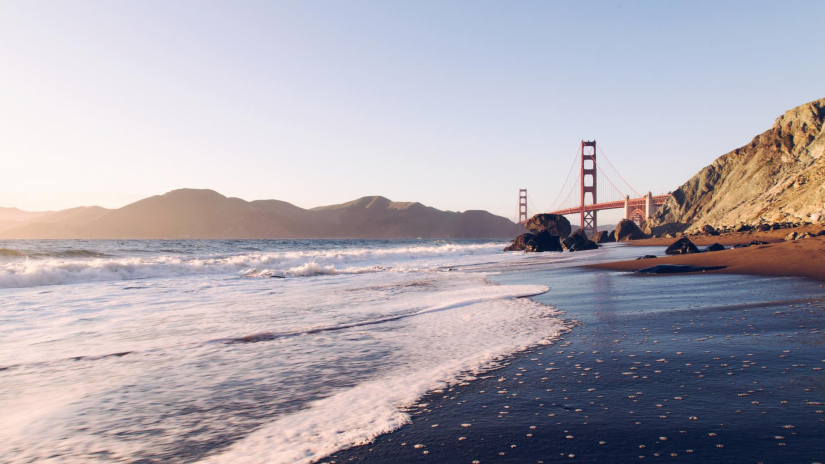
(799, 258)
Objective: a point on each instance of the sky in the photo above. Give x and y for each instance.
(454, 104)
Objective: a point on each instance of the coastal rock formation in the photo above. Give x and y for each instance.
(578, 241)
(628, 230)
(778, 177)
(555, 224)
(682, 246)
(714, 247)
(519, 243)
(708, 229)
(542, 242)
(576, 238)
(535, 243)
(604, 236)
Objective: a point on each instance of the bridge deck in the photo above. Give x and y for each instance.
(658, 200)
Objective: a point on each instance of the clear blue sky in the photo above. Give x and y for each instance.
(453, 104)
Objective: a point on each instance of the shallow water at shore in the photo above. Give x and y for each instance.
(205, 356)
(689, 368)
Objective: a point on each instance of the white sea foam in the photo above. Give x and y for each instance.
(323, 362)
(438, 351)
(37, 272)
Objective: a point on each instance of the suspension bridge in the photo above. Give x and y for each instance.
(593, 177)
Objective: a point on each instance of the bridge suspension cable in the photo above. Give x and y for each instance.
(575, 160)
(636, 194)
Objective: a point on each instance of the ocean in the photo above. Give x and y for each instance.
(226, 351)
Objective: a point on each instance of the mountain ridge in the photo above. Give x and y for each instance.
(207, 214)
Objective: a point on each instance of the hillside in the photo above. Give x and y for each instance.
(779, 176)
(189, 213)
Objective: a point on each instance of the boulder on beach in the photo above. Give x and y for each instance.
(574, 239)
(520, 242)
(584, 246)
(628, 230)
(553, 223)
(604, 237)
(578, 241)
(791, 236)
(543, 241)
(682, 246)
(708, 229)
(714, 247)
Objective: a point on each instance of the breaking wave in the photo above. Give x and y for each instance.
(78, 266)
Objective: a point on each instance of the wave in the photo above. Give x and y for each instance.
(67, 270)
(52, 254)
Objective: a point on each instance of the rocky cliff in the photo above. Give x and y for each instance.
(779, 176)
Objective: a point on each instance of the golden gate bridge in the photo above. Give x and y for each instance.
(582, 199)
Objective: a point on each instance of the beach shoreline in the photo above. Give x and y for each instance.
(706, 367)
(779, 258)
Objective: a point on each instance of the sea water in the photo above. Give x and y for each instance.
(244, 350)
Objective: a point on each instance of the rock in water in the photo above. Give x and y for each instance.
(520, 242)
(682, 246)
(645, 257)
(577, 238)
(555, 224)
(611, 237)
(603, 237)
(714, 247)
(628, 230)
(541, 242)
(584, 246)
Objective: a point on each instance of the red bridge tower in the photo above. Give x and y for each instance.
(522, 206)
(588, 173)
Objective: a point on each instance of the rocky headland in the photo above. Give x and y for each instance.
(778, 178)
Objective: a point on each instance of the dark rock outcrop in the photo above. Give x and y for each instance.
(627, 230)
(541, 242)
(553, 223)
(578, 241)
(574, 239)
(676, 268)
(604, 237)
(708, 229)
(682, 246)
(584, 246)
(714, 247)
(520, 242)
(645, 257)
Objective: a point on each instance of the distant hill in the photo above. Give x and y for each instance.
(16, 215)
(190, 213)
(779, 176)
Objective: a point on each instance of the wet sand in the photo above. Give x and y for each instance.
(685, 368)
(799, 258)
